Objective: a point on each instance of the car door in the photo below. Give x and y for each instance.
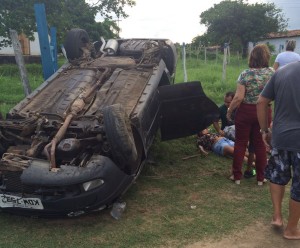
(185, 110)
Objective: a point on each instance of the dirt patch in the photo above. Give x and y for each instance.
(258, 235)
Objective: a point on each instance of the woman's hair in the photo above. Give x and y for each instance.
(259, 56)
(290, 45)
(201, 133)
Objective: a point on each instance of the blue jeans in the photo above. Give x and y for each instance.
(218, 147)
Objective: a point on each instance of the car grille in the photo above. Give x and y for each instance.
(11, 182)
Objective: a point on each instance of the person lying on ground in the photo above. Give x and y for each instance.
(216, 143)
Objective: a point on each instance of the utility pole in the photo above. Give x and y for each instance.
(118, 24)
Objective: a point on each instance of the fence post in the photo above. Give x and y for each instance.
(20, 61)
(183, 62)
(53, 47)
(224, 62)
(42, 27)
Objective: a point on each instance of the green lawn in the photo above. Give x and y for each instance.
(173, 203)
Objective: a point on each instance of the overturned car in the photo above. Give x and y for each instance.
(79, 141)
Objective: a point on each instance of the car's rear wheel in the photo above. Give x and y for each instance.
(76, 39)
(120, 137)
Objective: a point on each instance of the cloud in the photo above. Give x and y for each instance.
(178, 21)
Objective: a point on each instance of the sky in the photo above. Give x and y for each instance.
(179, 21)
(291, 9)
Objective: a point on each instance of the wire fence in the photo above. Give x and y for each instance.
(216, 54)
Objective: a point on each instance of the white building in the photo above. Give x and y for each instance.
(28, 47)
(278, 40)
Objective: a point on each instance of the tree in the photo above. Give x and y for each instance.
(64, 15)
(238, 22)
(201, 40)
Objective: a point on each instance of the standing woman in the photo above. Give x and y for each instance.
(249, 85)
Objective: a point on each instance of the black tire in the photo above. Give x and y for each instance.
(120, 137)
(169, 56)
(75, 39)
(2, 150)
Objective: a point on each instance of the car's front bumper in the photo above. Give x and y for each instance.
(62, 193)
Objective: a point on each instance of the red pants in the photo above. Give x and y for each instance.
(247, 129)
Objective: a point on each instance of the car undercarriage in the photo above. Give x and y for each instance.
(79, 141)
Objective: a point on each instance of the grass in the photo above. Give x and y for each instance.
(11, 88)
(173, 203)
(210, 75)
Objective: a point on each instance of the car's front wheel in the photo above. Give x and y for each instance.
(120, 137)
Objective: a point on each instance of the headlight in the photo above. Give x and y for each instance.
(92, 184)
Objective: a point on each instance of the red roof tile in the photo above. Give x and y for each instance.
(290, 33)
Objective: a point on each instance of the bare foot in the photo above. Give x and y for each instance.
(277, 223)
(295, 234)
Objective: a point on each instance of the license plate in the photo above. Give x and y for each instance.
(11, 201)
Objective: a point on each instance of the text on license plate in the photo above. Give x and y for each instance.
(11, 201)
